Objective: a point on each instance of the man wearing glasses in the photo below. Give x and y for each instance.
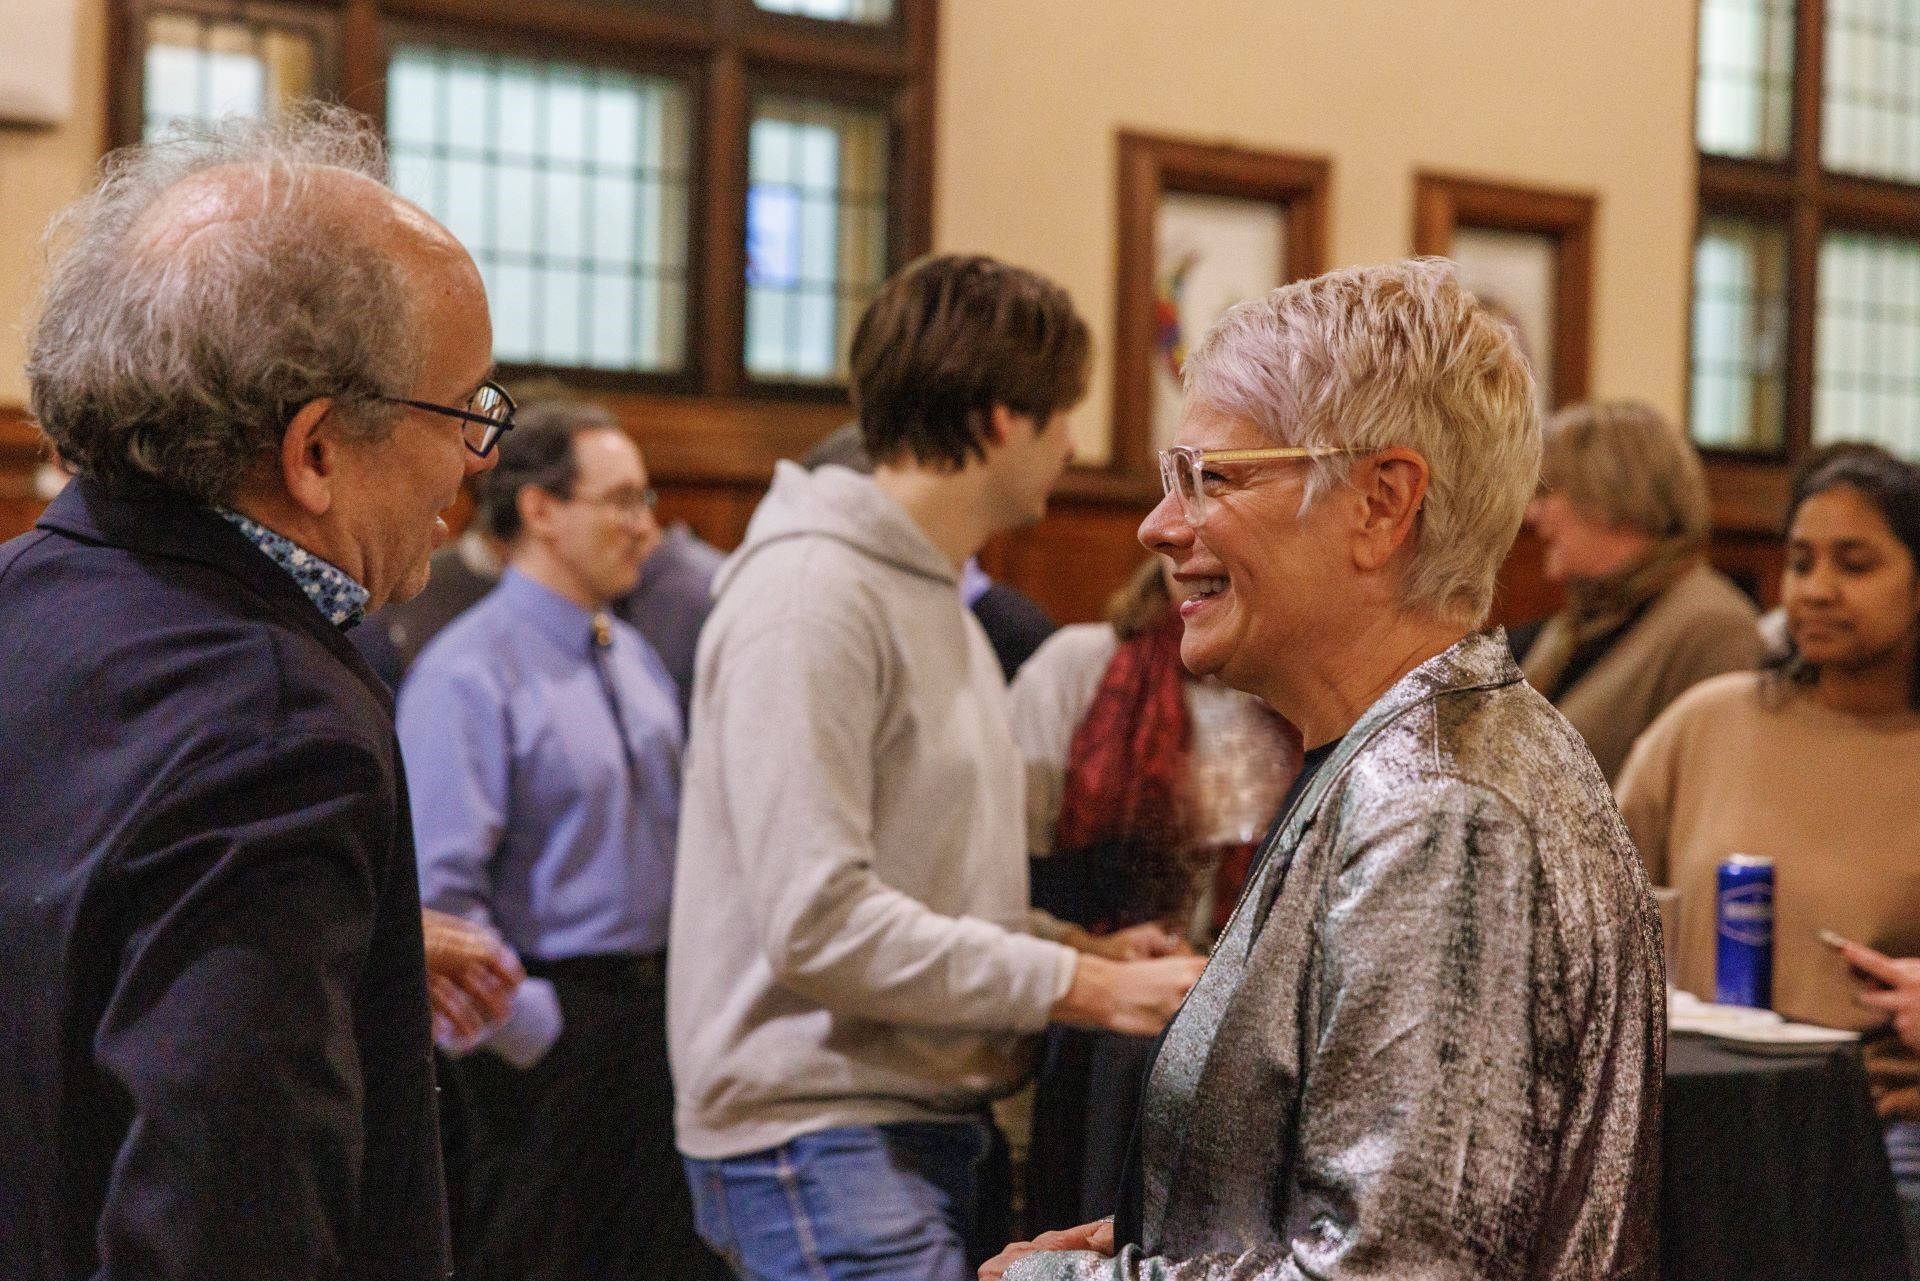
(268, 374)
(542, 738)
(667, 606)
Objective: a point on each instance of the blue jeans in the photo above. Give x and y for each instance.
(861, 1203)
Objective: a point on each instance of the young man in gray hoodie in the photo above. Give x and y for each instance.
(854, 970)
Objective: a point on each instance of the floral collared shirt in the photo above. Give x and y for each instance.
(331, 589)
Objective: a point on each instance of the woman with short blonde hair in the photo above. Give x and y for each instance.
(1623, 516)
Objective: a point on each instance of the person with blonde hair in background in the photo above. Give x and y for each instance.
(1623, 517)
(1431, 1041)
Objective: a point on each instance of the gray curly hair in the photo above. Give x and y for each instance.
(183, 368)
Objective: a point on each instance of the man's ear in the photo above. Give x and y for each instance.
(310, 456)
(536, 507)
(999, 425)
(1391, 485)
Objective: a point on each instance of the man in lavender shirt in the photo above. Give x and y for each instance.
(542, 738)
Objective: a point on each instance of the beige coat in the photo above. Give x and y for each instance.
(1700, 627)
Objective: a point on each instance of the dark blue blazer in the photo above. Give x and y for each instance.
(215, 1050)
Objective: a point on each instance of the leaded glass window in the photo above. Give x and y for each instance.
(568, 183)
(1744, 105)
(1869, 342)
(1739, 335)
(816, 233)
(865, 11)
(684, 204)
(1870, 115)
(198, 68)
(1806, 290)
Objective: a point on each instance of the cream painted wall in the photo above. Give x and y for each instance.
(41, 170)
(1592, 95)
(1589, 94)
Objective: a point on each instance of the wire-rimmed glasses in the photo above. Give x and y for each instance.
(487, 417)
(631, 506)
(1183, 470)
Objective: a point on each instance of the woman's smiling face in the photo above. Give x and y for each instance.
(1247, 581)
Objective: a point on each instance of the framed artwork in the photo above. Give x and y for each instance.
(1202, 227)
(1528, 254)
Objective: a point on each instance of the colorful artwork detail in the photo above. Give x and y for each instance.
(1169, 341)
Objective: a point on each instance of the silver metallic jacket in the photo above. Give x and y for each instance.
(1430, 1043)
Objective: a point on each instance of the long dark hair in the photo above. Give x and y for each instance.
(1893, 489)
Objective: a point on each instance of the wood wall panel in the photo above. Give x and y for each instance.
(1522, 594)
(718, 513)
(1072, 561)
(1753, 561)
(21, 449)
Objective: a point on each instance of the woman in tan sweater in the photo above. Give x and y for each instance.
(1816, 764)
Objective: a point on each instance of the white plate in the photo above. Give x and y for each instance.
(1687, 1013)
(1784, 1038)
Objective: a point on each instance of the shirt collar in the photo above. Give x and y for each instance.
(561, 621)
(973, 582)
(331, 589)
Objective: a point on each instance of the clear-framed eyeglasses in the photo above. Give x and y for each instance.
(1184, 470)
(487, 417)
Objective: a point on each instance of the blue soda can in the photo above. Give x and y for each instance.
(1743, 934)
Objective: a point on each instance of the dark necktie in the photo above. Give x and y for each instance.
(603, 668)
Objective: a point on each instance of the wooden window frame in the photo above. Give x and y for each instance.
(875, 96)
(1798, 195)
(1443, 203)
(1149, 167)
(710, 422)
(126, 82)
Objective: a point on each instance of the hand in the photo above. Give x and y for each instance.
(1901, 995)
(1135, 943)
(471, 974)
(1096, 1236)
(1134, 997)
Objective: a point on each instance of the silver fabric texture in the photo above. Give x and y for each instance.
(1431, 1041)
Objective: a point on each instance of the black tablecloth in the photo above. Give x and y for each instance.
(1773, 1165)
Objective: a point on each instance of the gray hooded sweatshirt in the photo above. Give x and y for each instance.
(850, 937)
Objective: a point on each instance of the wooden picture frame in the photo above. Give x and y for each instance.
(1151, 168)
(1563, 222)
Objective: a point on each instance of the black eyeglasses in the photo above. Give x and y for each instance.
(487, 417)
